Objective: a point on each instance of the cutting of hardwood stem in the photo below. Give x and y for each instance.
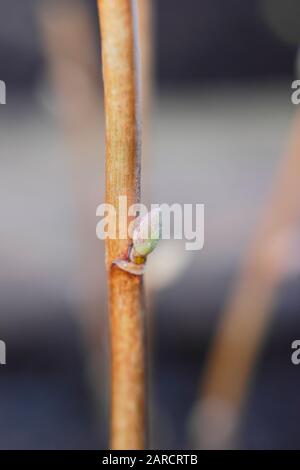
(123, 122)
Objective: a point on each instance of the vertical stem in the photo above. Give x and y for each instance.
(121, 90)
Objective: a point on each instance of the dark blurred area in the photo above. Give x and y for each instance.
(220, 122)
(194, 41)
(216, 40)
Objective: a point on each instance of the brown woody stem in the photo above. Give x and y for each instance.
(122, 109)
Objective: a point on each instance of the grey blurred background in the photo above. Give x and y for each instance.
(220, 119)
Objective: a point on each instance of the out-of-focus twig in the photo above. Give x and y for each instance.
(72, 66)
(243, 325)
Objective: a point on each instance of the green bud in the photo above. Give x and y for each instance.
(147, 232)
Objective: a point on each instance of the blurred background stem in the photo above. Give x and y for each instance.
(247, 313)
